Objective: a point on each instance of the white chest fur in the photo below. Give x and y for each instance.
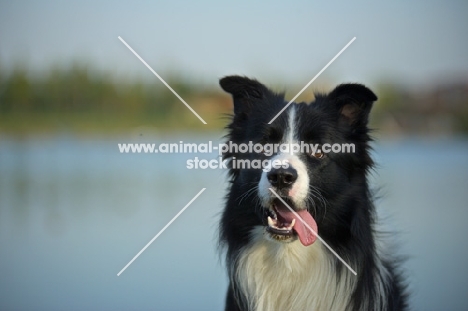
(290, 276)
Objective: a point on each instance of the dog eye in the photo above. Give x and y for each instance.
(317, 154)
(259, 148)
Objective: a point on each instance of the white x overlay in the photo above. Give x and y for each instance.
(160, 232)
(162, 80)
(203, 121)
(313, 79)
(313, 231)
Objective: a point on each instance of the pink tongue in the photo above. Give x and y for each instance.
(305, 235)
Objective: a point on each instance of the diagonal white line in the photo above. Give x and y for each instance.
(313, 231)
(162, 80)
(313, 79)
(160, 232)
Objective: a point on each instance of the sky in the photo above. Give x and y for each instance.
(408, 42)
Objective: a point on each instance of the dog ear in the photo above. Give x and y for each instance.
(353, 103)
(244, 92)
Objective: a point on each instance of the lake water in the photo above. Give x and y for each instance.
(73, 212)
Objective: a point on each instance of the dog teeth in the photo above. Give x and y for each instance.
(274, 224)
(292, 224)
(271, 223)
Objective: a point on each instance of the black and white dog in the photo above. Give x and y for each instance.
(274, 261)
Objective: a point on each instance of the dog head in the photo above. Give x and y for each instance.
(305, 188)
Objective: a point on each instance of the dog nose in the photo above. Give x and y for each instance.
(282, 177)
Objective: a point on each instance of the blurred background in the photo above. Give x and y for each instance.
(74, 211)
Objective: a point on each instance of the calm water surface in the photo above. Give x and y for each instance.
(73, 212)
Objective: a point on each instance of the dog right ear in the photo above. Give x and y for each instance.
(244, 92)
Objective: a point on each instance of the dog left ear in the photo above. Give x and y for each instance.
(353, 103)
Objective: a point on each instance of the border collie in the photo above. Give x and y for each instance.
(273, 258)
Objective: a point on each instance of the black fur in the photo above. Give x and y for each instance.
(346, 221)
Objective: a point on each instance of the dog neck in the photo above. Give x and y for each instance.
(289, 276)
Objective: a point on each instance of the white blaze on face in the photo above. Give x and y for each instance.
(299, 190)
